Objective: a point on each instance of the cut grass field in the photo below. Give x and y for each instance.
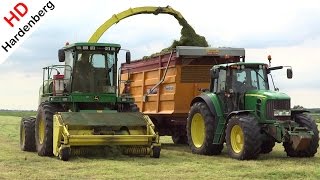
(176, 162)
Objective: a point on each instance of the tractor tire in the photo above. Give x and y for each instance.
(201, 126)
(267, 145)
(243, 137)
(44, 129)
(27, 139)
(304, 121)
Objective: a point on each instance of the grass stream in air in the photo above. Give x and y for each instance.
(188, 37)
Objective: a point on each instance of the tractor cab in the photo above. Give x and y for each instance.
(231, 82)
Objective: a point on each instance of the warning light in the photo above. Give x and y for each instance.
(269, 57)
(67, 43)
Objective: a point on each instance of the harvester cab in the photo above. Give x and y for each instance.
(79, 107)
(241, 110)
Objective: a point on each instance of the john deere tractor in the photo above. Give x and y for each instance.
(241, 110)
(79, 107)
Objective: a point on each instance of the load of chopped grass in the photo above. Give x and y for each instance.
(188, 37)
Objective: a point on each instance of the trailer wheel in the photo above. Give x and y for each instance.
(179, 138)
(201, 125)
(65, 154)
(134, 108)
(243, 137)
(44, 129)
(27, 139)
(267, 145)
(304, 121)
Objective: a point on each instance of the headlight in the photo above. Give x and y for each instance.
(282, 112)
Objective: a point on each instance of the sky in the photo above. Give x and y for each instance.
(287, 30)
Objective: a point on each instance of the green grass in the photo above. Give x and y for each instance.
(176, 162)
(316, 117)
(17, 113)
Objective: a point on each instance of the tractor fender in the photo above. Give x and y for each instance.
(298, 111)
(234, 113)
(206, 99)
(212, 101)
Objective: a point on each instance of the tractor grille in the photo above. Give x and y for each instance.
(276, 104)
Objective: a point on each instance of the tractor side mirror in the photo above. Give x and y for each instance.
(61, 55)
(128, 57)
(289, 73)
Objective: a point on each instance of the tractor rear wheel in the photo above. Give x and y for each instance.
(44, 129)
(304, 121)
(267, 145)
(201, 126)
(27, 139)
(243, 137)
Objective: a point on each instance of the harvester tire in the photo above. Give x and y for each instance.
(201, 126)
(304, 121)
(156, 151)
(267, 145)
(243, 137)
(65, 154)
(44, 129)
(27, 139)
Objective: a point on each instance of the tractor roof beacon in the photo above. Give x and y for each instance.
(241, 110)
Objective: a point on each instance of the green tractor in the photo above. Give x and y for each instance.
(79, 107)
(241, 110)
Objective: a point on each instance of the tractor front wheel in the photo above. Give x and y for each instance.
(201, 126)
(44, 129)
(243, 137)
(27, 139)
(304, 121)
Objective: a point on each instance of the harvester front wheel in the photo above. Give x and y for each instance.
(44, 129)
(27, 139)
(156, 151)
(201, 125)
(304, 121)
(65, 153)
(267, 145)
(243, 137)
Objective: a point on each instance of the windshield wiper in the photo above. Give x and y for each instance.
(264, 80)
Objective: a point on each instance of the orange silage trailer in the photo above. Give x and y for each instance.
(163, 86)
